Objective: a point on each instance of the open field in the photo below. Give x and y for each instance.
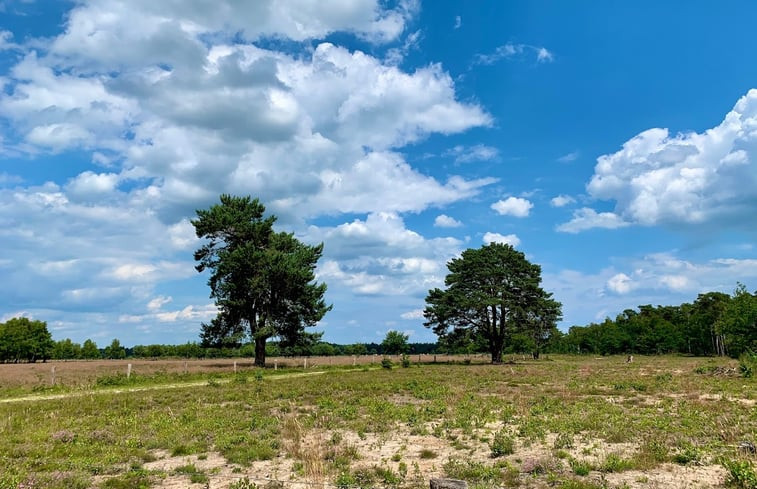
(571, 422)
(81, 373)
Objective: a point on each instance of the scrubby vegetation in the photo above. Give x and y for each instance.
(559, 422)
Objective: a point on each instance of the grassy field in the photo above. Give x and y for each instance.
(571, 422)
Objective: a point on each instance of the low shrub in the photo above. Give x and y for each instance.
(741, 474)
(502, 444)
(748, 364)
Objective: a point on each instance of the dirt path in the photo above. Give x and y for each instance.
(176, 385)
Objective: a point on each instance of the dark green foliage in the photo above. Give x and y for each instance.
(748, 364)
(89, 350)
(492, 294)
(66, 350)
(22, 339)
(115, 350)
(715, 324)
(263, 281)
(395, 343)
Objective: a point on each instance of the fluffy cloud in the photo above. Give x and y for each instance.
(444, 221)
(513, 206)
(176, 103)
(379, 255)
(510, 239)
(620, 283)
(562, 201)
(587, 218)
(688, 178)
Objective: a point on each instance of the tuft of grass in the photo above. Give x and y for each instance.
(427, 454)
(134, 479)
(615, 463)
(502, 444)
(741, 474)
(580, 467)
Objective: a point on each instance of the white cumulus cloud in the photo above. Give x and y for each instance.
(513, 206)
(586, 218)
(562, 201)
(686, 178)
(510, 239)
(445, 221)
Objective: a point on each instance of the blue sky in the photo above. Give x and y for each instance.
(614, 143)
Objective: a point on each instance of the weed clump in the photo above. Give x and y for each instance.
(502, 444)
(741, 474)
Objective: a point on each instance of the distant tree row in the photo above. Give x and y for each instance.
(24, 340)
(69, 350)
(714, 324)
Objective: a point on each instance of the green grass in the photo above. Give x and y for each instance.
(658, 408)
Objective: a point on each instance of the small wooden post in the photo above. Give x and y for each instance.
(434, 358)
(354, 360)
(128, 371)
(305, 363)
(185, 366)
(52, 372)
(235, 366)
(275, 364)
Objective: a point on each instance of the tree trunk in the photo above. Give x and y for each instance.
(496, 347)
(260, 352)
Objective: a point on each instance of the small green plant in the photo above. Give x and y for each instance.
(405, 361)
(134, 479)
(580, 467)
(563, 440)
(687, 454)
(741, 474)
(615, 463)
(195, 476)
(502, 444)
(472, 471)
(180, 450)
(243, 484)
(386, 363)
(345, 480)
(427, 454)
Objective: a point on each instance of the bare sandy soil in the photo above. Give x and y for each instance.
(390, 450)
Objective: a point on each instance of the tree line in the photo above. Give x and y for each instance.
(714, 324)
